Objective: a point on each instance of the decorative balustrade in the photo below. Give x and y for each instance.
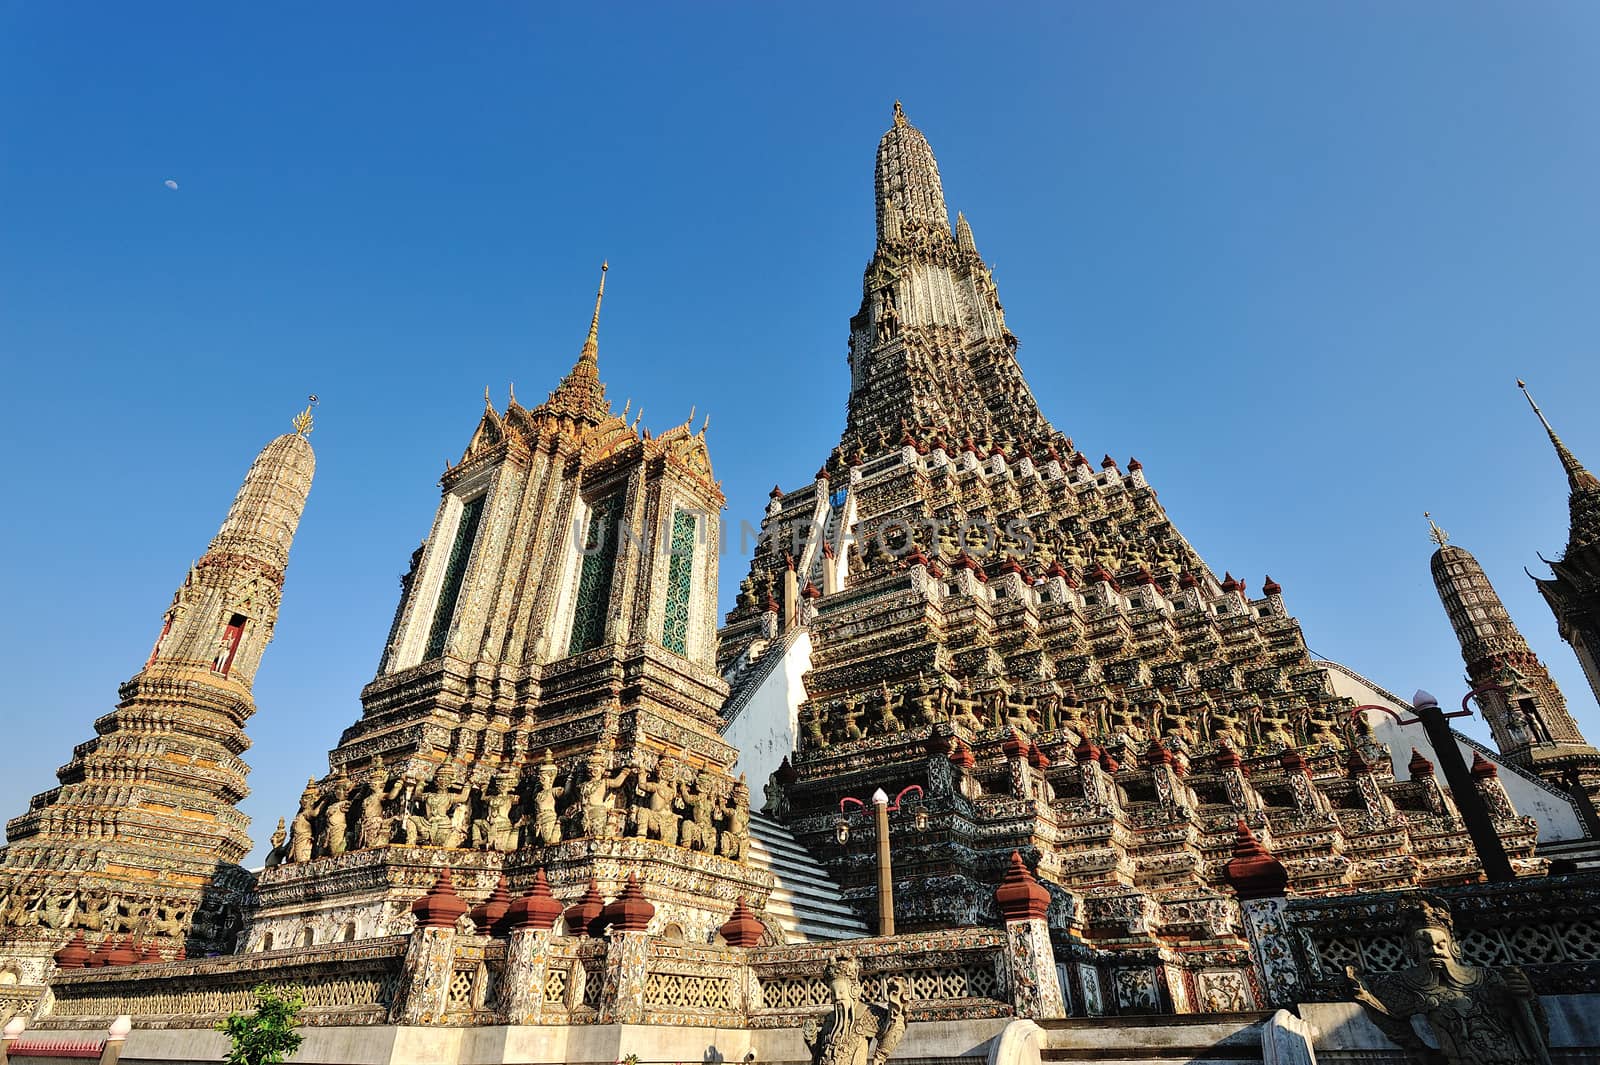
(343, 983)
(1549, 926)
(947, 976)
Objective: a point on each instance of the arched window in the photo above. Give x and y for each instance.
(266, 941)
(349, 934)
(308, 938)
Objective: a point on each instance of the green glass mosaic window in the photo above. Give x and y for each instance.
(455, 570)
(680, 571)
(594, 580)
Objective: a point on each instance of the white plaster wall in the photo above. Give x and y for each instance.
(1556, 817)
(768, 727)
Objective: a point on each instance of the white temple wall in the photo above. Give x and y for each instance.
(768, 727)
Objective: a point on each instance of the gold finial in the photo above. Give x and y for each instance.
(899, 114)
(302, 421)
(1436, 534)
(591, 346)
(487, 402)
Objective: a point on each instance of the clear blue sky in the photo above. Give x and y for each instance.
(1292, 256)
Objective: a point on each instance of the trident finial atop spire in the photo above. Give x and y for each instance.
(899, 114)
(1436, 534)
(591, 346)
(302, 421)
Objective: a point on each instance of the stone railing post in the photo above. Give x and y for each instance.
(1261, 883)
(116, 1039)
(1288, 1040)
(1030, 959)
(13, 1031)
(531, 919)
(430, 956)
(627, 955)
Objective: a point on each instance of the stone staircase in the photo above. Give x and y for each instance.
(1213, 1038)
(805, 900)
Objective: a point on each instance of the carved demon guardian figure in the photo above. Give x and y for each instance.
(845, 1036)
(1452, 1013)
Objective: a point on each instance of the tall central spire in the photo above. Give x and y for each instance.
(930, 348)
(908, 176)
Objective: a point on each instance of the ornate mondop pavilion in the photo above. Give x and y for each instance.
(138, 846)
(1122, 787)
(546, 700)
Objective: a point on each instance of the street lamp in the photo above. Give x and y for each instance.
(1480, 826)
(882, 806)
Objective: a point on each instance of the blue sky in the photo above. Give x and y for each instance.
(1290, 256)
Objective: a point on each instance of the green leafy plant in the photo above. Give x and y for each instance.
(267, 1036)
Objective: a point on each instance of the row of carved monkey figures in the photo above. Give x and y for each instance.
(930, 701)
(697, 810)
(92, 910)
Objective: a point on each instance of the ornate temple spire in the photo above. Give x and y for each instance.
(581, 395)
(1584, 500)
(964, 239)
(908, 175)
(172, 743)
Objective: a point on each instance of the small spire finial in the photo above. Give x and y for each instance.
(1436, 534)
(591, 345)
(899, 114)
(302, 421)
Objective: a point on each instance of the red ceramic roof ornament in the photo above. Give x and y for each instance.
(1037, 758)
(827, 549)
(1010, 565)
(1228, 583)
(122, 953)
(582, 915)
(1292, 762)
(1157, 754)
(1056, 569)
(1271, 587)
(1052, 454)
(1108, 463)
(1086, 751)
(1145, 576)
(742, 929)
(788, 562)
(1108, 763)
(1254, 873)
(1419, 766)
(822, 474)
(1134, 464)
(630, 911)
(441, 907)
(1021, 897)
(1187, 580)
(489, 915)
(776, 492)
(1228, 758)
(537, 908)
(1357, 764)
(1482, 767)
(916, 558)
(961, 756)
(75, 955)
(1015, 747)
(810, 591)
(787, 774)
